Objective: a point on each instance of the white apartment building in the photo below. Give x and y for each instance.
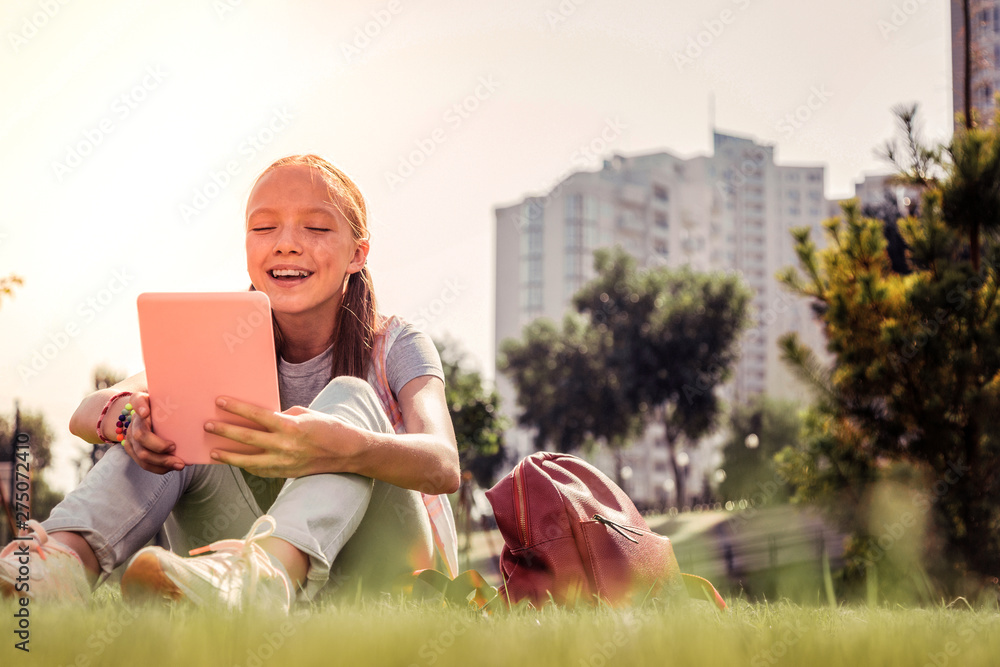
(731, 211)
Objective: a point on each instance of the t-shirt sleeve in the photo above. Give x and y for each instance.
(412, 354)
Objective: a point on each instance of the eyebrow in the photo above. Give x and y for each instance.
(305, 211)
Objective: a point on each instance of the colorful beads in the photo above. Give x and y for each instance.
(124, 420)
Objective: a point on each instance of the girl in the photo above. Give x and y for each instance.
(344, 491)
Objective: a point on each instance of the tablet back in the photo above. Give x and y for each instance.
(197, 347)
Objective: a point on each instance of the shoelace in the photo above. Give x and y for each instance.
(247, 549)
(39, 544)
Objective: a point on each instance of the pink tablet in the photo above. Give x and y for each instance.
(197, 347)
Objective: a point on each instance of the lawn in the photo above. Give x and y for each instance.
(393, 632)
(406, 633)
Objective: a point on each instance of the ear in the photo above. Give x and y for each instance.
(360, 257)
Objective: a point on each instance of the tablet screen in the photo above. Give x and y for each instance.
(197, 347)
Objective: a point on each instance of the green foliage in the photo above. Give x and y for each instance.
(566, 389)
(914, 393)
(645, 344)
(750, 468)
(39, 438)
(43, 498)
(479, 426)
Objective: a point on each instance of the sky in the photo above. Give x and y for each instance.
(131, 133)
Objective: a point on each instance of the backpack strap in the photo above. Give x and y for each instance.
(438, 508)
(702, 589)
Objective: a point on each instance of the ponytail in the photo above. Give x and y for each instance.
(354, 335)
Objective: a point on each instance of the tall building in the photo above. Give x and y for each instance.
(984, 26)
(731, 211)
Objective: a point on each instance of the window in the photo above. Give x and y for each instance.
(590, 234)
(531, 298)
(574, 266)
(530, 265)
(660, 193)
(531, 270)
(661, 247)
(589, 208)
(531, 239)
(660, 219)
(574, 235)
(574, 206)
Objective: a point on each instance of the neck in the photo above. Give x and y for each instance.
(304, 337)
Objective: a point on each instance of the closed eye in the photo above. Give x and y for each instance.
(319, 229)
(261, 229)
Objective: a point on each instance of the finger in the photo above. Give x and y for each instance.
(158, 463)
(139, 431)
(247, 436)
(255, 463)
(266, 418)
(130, 450)
(140, 403)
(151, 451)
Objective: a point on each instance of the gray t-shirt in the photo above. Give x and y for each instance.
(412, 354)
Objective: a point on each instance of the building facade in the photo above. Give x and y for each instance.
(731, 212)
(984, 26)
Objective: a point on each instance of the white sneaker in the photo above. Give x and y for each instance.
(238, 574)
(42, 569)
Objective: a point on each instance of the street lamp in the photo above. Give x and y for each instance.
(752, 441)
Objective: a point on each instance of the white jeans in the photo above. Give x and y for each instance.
(355, 530)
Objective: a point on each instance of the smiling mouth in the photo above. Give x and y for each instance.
(289, 275)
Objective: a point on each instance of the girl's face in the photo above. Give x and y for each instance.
(300, 248)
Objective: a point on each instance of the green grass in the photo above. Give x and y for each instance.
(407, 633)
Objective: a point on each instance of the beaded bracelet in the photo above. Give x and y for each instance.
(124, 420)
(100, 420)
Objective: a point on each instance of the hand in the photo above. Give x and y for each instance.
(294, 443)
(149, 450)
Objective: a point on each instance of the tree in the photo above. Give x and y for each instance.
(914, 393)
(646, 344)
(479, 426)
(43, 497)
(889, 213)
(566, 389)
(757, 432)
(674, 335)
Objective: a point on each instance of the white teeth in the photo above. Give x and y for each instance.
(289, 273)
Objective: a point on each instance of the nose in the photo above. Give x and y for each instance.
(287, 241)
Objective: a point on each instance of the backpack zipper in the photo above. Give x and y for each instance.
(521, 504)
(619, 528)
